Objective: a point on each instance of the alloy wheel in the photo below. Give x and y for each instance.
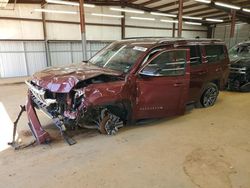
(210, 97)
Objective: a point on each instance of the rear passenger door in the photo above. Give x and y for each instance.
(214, 58)
(198, 72)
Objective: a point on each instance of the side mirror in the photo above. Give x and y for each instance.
(150, 71)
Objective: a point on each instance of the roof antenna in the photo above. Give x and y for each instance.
(197, 37)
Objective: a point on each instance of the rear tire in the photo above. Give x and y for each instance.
(209, 95)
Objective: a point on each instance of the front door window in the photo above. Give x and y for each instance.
(163, 84)
(168, 63)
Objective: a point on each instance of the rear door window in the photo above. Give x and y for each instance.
(195, 55)
(214, 53)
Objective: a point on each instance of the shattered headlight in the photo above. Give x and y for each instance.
(78, 98)
(79, 93)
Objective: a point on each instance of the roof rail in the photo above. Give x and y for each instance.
(171, 39)
(144, 38)
(188, 39)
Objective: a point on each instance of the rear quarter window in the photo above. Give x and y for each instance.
(214, 53)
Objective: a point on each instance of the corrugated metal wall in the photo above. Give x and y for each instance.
(23, 58)
(242, 32)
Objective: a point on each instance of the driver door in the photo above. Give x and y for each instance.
(163, 85)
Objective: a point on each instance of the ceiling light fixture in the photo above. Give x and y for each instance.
(3, 3)
(193, 23)
(213, 20)
(192, 18)
(89, 5)
(163, 14)
(227, 5)
(69, 3)
(204, 1)
(107, 15)
(169, 21)
(55, 11)
(127, 10)
(246, 9)
(142, 18)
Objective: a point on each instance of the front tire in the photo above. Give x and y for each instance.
(109, 123)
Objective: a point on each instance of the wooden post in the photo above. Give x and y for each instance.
(180, 18)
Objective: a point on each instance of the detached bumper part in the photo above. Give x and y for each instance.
(42, 137)
(245, 87)
(62, 129)
(239, 77)
(235, 85)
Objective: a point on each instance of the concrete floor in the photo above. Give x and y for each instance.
(206, 148)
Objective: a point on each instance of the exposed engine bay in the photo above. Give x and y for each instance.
(239, 78)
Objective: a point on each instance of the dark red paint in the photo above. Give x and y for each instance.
(148, 97)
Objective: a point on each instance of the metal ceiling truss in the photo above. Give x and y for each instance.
(189, 7)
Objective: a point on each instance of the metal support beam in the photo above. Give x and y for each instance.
(47, 53)
(180, 18)
(232, 31)
(213, 34)
(123, 32)
(123, 35)
(173, 31)
(83, 30)
(26, 58)
(209, 32)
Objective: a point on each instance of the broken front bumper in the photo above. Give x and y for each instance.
(36, 99)
(238, 79)
(42, 137)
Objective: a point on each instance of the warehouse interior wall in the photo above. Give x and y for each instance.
(26, 30)
(22, 44)
(242, 33)
(24, 58)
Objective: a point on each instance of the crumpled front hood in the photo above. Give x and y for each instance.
(63, 79)
(241, 62)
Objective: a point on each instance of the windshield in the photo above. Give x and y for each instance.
(118, 56)
(240, 51)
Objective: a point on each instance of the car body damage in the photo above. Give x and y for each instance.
(63, 79)
(239, 78)
(69, 95)
(126, 81)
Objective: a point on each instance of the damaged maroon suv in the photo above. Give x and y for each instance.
(128, 80)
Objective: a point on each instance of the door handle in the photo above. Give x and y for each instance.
(218, 69)
(178, 84)
(202, 72)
